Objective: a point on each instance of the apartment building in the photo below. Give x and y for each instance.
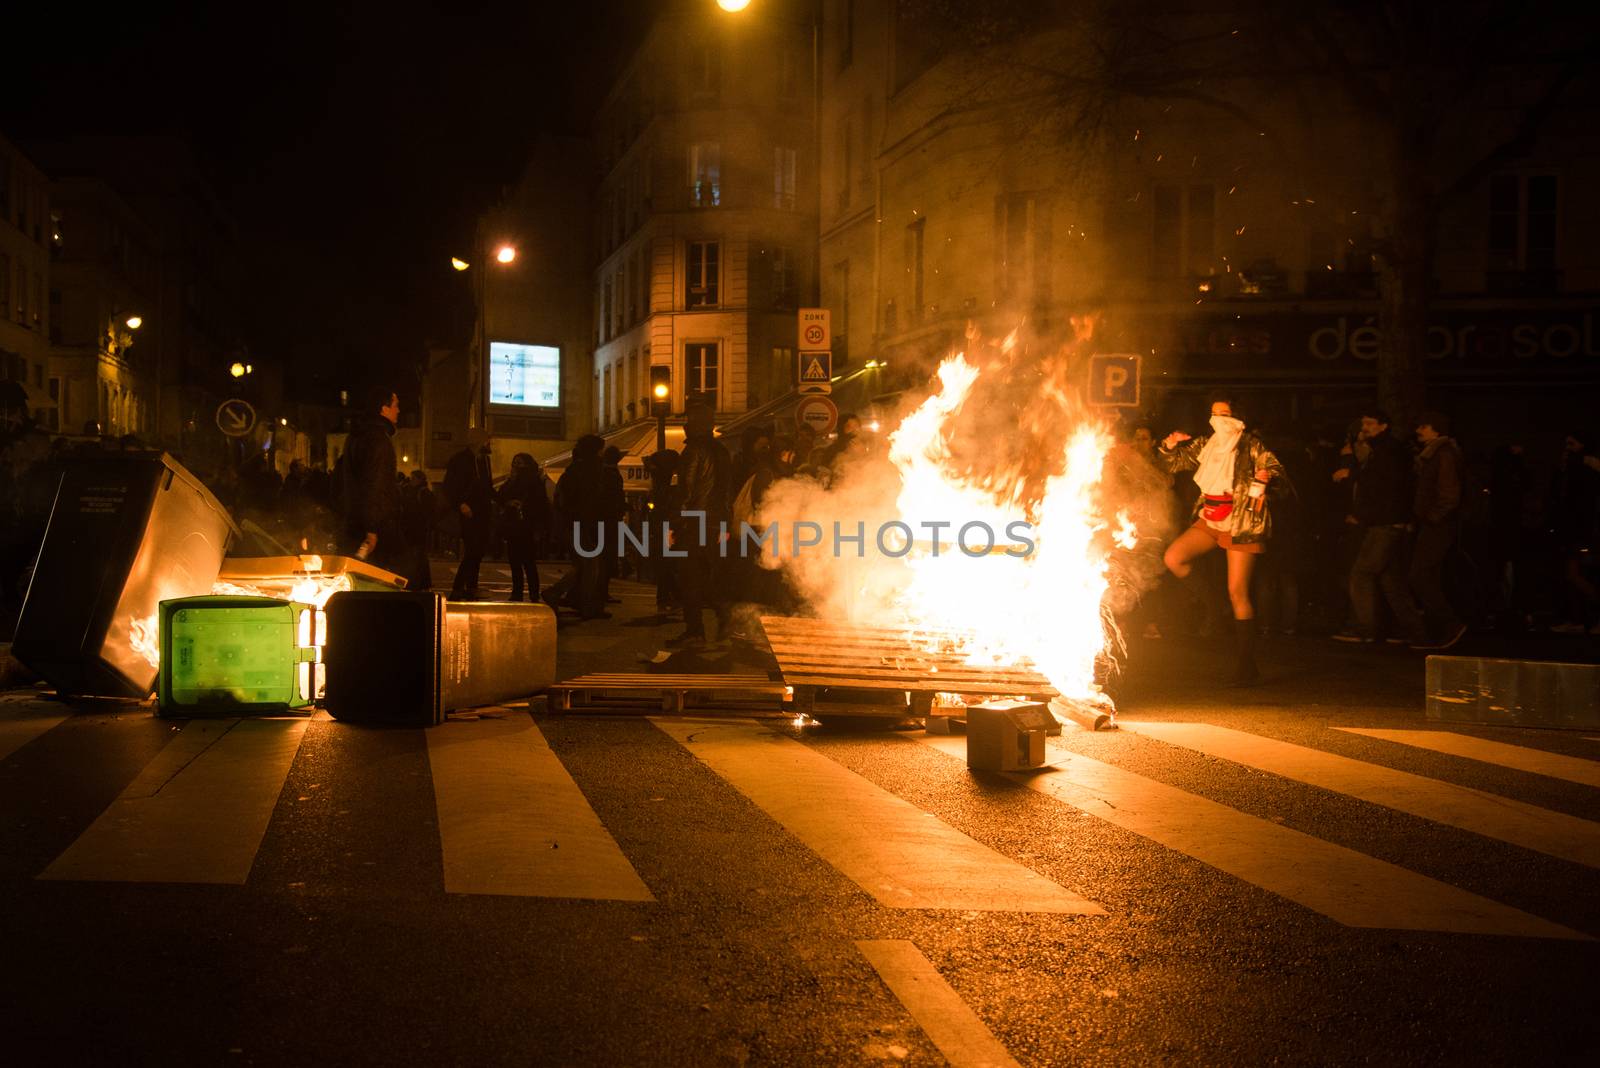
(1218, 250)
(705, 224)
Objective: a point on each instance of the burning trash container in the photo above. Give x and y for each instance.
(128, 531)
(409, 658)
(1007, 735)
(238, 654)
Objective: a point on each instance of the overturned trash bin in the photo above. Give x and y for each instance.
(128, 531)
(409, 658)
(238, 654)
(308, 577)
(1007, 735)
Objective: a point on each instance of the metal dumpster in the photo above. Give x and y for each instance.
(409, 658)
(127, 531)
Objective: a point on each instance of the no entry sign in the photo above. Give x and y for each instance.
(817, 412)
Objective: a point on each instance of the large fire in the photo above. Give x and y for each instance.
(1002, 438)
(1043, 608)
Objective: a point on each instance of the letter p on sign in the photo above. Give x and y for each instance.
(1114, 381)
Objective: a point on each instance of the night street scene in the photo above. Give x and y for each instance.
(800, 532)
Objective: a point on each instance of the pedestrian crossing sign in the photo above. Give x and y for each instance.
(816, 372)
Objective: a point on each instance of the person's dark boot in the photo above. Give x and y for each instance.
(1244, 638)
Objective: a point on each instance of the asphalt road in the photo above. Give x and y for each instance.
(517, 888)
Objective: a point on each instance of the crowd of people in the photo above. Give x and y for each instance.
(1387, 534)
(1379, 534)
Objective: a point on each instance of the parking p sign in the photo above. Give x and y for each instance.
(1114, 381)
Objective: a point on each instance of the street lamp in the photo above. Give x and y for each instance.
(236, 370)
(134, 322)
(733, 5)
(458, 263)
(506, 253)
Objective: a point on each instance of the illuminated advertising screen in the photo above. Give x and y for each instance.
(524, 376)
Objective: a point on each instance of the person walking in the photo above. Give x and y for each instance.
(525, 515)
(1436, 506)
(1233, 469)
(469, 491)
(1381, 506)
(706, 479)
(370, 498)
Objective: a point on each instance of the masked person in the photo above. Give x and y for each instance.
(1233, 469)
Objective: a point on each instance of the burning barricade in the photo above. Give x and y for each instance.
(987, 528)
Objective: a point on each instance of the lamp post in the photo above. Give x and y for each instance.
(505, 255)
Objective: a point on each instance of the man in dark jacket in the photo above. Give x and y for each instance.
(705, 477)
(469, 491)
(370, 497)
(580, 505)
(615, 506)
(1436, 505)
(1381, 505)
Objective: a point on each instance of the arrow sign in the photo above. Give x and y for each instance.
(235, 418)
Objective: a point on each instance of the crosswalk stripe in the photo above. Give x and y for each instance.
(24, 725)
(901, 855)
(1518, 757)
(1490, 815)
(947, 1020)
(194, 814)
(1342, 884)
(513, 822)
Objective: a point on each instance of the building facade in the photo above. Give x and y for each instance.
(705, 221)
(1220, 250)
(104, 287)
(25, 321)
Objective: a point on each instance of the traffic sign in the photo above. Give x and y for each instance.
(1114, 381)
(236, 417)
(814, 372)
(817, 412)
(816, 328)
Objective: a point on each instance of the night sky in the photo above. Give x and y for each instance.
(354, 142)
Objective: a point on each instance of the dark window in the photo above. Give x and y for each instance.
(700, 371)
(702, 288)
(841, 327)
(847, 32)
(781, 262)
(1522, 233)
(706, 73)
(783, 170)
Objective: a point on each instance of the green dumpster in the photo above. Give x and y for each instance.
(238, 654)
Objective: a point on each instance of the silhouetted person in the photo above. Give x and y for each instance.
(469, 491)
(370, 501)
(525, 516)
(615, 505)
(1436, 506)
(1381, 503)
(706, 477)
(580, 503)
(417, 511)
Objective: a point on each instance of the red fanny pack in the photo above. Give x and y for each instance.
(1216, 509)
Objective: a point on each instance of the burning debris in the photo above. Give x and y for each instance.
(1001, 439)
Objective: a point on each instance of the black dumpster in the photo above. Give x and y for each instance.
(409, 658)
(127, 531)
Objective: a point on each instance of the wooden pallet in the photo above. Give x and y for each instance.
(669, 694)
(818, 654)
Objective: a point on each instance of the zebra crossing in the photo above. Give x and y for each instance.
(514, 821)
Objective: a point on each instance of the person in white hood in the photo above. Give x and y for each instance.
(1233, 469)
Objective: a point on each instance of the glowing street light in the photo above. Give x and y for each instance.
(506, 254)
(236, 370)
(733, 5)
(134, 322)
(458, 263)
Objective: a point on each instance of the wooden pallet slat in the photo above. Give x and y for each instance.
(644, 693)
